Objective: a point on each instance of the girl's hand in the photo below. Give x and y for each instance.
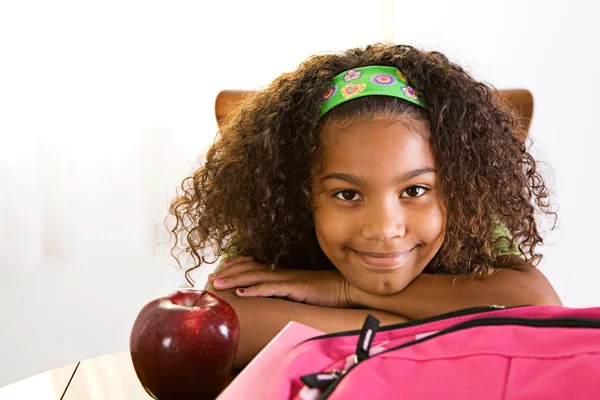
(326, 288)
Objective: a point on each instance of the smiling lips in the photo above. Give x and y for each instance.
(383, 259)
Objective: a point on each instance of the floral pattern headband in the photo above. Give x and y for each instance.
(374, 80)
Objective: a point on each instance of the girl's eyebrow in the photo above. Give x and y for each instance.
(358, 181)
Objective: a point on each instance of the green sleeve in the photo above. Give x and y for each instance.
(499, 230)
(230, 252)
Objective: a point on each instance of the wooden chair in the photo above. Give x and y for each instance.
(520, 99)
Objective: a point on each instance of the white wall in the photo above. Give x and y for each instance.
(104, 109)
(550, 48)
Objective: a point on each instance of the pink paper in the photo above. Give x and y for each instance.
(254, 380)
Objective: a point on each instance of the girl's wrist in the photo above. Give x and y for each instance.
(361, 299)
(357, 297)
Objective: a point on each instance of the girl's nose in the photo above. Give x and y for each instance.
(384, 222)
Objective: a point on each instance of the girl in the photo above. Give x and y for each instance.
(383, 180)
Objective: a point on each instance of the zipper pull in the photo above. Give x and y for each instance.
(365, 340)
(332, 384)
(320, 380)
(328, 381)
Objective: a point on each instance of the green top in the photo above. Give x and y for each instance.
(500, 230)
(229, 253)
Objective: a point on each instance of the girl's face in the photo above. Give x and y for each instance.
(378, 214)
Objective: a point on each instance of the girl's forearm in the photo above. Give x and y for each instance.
(262, 318)
(429, 295)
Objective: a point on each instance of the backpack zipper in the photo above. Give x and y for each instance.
(365, 341)
(322, 380)
(410, 324)
(538, 323)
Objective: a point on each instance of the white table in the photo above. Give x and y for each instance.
(102, 378)
(108, 377)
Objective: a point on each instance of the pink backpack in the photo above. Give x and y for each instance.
(534, 352)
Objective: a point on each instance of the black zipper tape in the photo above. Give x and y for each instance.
(410, 324)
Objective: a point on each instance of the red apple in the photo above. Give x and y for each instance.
(183, 345)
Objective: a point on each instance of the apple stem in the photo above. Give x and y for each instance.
(199, 297)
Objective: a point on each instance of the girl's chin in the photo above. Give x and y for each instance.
(383, 288)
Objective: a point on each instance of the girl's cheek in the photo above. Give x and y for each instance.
(432, 222)
(329, 213)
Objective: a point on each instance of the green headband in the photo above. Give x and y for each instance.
(368, 81)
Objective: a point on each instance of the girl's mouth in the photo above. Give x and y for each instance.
(385, 260)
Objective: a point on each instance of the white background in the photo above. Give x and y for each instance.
(105, 108)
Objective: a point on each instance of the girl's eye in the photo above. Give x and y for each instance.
(351, 195)
(414, 191)
(346, 195)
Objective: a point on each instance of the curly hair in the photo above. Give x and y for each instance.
(254, 189)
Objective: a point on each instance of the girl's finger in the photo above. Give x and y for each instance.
(225, 265)
(235, 269)
(248, 278)
(286, 289)
(236, 259)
